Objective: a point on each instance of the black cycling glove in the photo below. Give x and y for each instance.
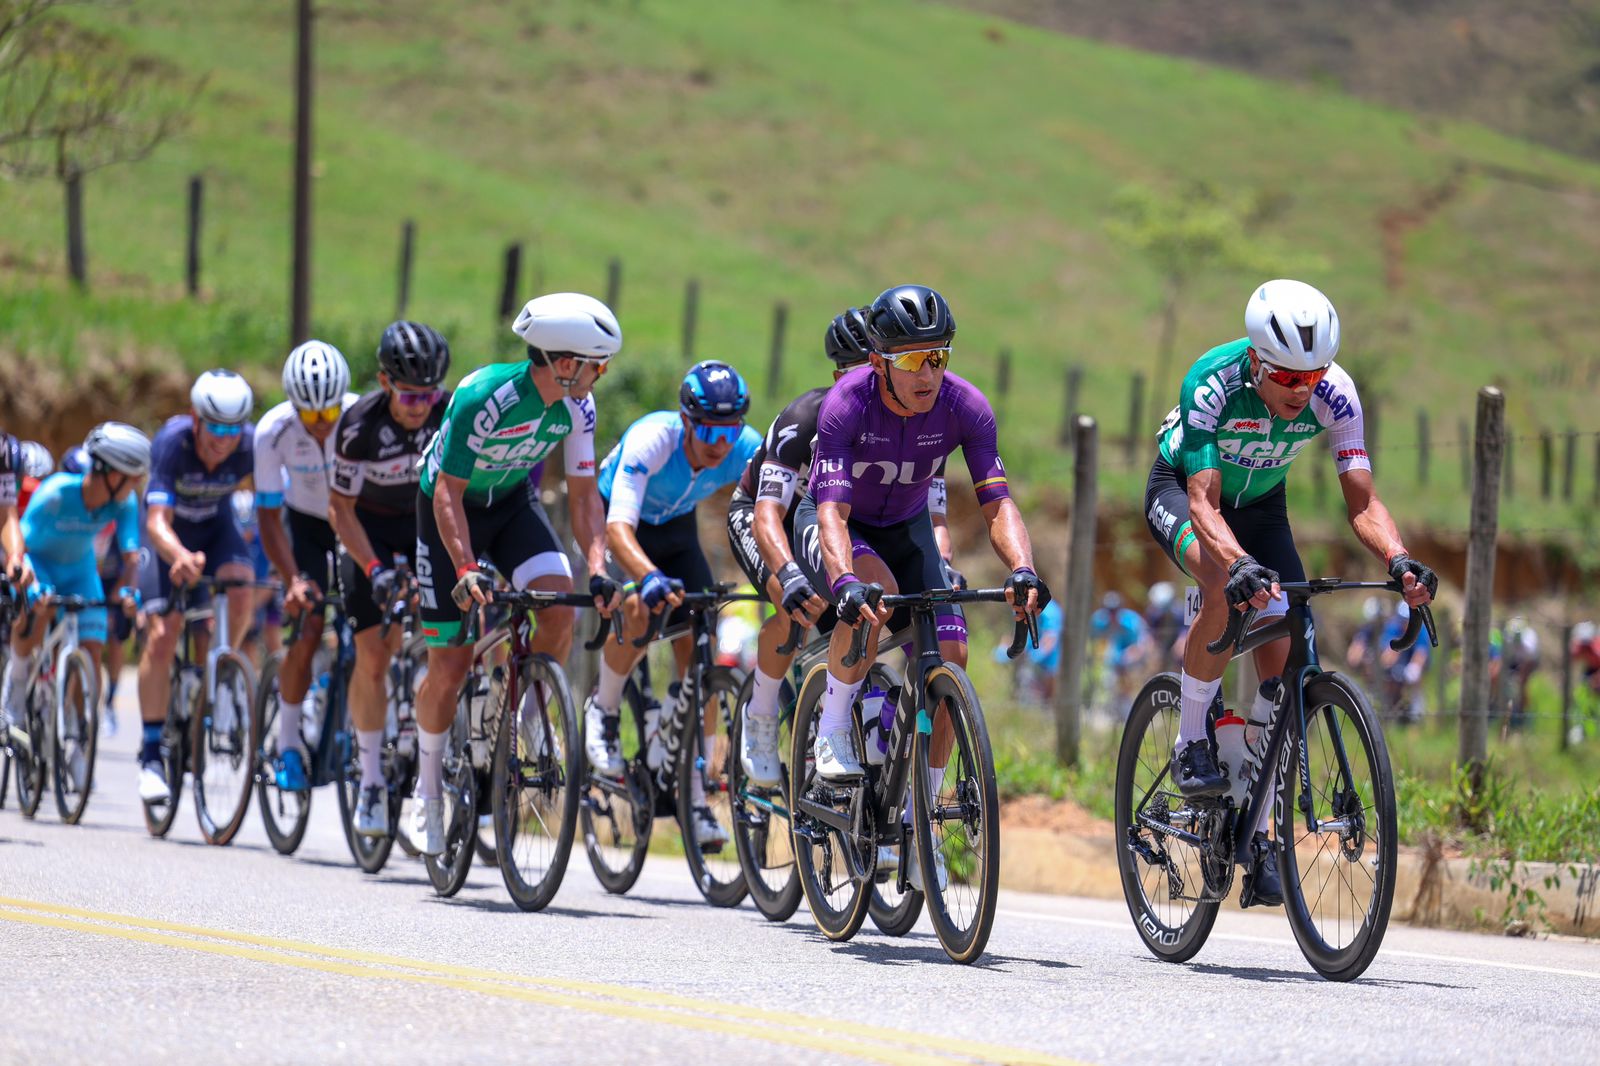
(1020, 582)
(852, 598)
(796, 588)
(602, 588)
(1246, 577)
(1402, 564)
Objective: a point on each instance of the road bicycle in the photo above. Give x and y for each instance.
(1333, 796)
(955, 830)
(209, 727)
(619, 812)
(61, 712)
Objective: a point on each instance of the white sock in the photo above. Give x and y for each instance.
(935, 782)
(1264, 821)
(763, 695)
(836, 706)
(370, 744)
(289, 726)
(608, 695)
(430, 771)
(1194, 705)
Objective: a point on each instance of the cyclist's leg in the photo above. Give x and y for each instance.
(19, 663)
(447, 666)
(527, 549)
(163, 628)
(368, 677)
(767, 678)
(311, 540)
(228, 559)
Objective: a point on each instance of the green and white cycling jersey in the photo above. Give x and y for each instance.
(496, 429)
(1221, 423)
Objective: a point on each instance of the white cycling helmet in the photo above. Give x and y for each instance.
(37, 460)
(564, 322)
(120, 447)
(315, 376)
(244, 507)
(222, 396)
(1292, 325)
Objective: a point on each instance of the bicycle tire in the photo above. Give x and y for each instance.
(1137, 771)
(556, 776)
(30, 763)
(617, 840)
(838, 902)
(72, 800)
(761, 818)
(370, 854)
(221, 805)
(720, 882)
(416, 651)
(448, 871)
(284, 815)
(158, 817)
(1347, 961)
(975, 781)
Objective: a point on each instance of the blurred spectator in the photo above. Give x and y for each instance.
(1127, 644)
(1518, 659)
(1164, 618)
(1360, 654)
(1034, 677)
(1402, 670)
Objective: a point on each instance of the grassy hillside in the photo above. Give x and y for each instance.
(811, 152)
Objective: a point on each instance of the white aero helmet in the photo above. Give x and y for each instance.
(315, 376)
(37, 460)
(569, 322)
(222, 396)
(120, 447)
(1292, 325)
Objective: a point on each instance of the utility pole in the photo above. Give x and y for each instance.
(300, 281)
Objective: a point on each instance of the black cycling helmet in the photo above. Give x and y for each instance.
(846, 342)
(713, 391)
(909, 314)
(413, 354)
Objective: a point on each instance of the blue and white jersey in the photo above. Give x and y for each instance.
(647, 477)
(59, 529)
(290, 466)
(179, 480)
(10, 469)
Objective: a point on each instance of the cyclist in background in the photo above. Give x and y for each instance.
(1127, 644)
(11, 546)
(119, 624)
(1215, 502)
(294, 446)
(197, 461)
(665, 464)
(380, 443)
(37, 464)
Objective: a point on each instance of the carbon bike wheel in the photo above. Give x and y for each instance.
(837, 900)
(405, 678)
(73, 739)
(703, 772)
(448, 870)
(371, 854)
(1338, 881)
(284, 815)
(535, 779)
(224, 759)
(959, 821)
(1162, 877)
(892, 911)
(619, 813)
(30, 761)
(761, 834)
(183, 697)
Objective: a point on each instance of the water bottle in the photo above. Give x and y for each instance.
(872, 729)
(1231, 751)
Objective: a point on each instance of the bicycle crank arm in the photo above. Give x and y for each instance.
(826, 815)
(1192, 839)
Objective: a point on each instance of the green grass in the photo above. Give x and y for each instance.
(780, 152)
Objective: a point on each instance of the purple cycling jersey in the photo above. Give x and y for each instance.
(882, 464)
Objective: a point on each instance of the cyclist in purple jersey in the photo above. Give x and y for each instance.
(881, 436)
(198, 459)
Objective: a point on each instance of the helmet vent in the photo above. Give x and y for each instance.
(1277, 331)
(1308, 336)
(603, 328)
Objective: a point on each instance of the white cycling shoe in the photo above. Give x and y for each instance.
(600, 740)
(758, 750)
(941, 874)
(708, 832)
(836, 758)
(427, 826)
(372, 812)
(153, 786)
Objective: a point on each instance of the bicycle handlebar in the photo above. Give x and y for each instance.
(1238, 627)
(1026, 631)
(715, 596)
(536, 600)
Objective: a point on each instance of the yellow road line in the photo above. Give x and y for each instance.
(892, 1045)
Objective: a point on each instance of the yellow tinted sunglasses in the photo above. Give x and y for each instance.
(912, 361)
(327, 414)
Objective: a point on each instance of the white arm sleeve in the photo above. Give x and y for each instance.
(938, 497)
(1337, 407)
(644, 451)
(578, 451)
(777, 483)
(269, 464)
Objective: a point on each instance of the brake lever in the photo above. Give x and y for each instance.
(1234, 633)
(1027, 629)
(600, 634)
(795, 633)
(652, 627)
(858, 636)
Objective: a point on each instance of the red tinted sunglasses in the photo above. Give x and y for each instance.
(1293, 379)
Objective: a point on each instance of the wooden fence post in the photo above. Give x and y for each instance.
(1566, 684)
(1440, 662)
(613, 283)
(1135, 417)
(1569, 465)
(1078, 605)
(510, 280)
(1003, 375)
(1489, 450)
(1547, 463)
(191, 274)
(408, 243)
(1422, 446)
(1069, 410)
(780, 322)
(691, 311)
(77, 257)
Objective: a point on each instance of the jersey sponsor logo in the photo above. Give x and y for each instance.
(522, 429)
(348, 435)
(1339, 405)
(1247, 425)
(785, 435)
(1162, 519)
(1304, 427)
(1260, 454)
(1209, 399)
(892, 473)
(872, 438)
(591, 415)
(1346, 454)
(386, 435)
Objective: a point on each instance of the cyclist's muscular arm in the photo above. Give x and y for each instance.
(1007, 533)
(833, 531)
(588, 520)
(1205, 515)
(11, 536)
(351, 533)
(624, 541)
(771, 540)
(275, 542)
(450, 513)
(158, 527)
(1368, 516)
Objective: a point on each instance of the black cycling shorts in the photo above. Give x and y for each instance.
(674, 546)
(394, 540)
(314, 545)
(514, 534)
(218, 537)
(742, 539)
(1261, 527)
(907, 549)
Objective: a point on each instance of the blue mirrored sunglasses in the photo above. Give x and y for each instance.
(223, 429)
(717, 432)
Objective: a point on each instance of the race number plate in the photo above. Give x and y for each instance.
(1191, 604)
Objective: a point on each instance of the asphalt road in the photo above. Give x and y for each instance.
(117, 948)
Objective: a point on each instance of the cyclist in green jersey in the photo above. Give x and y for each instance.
(476, 499)
(1215, 502)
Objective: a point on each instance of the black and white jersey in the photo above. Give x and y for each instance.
(10, 469)
(376, 459)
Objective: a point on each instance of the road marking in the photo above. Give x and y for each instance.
(812, 1033)
(1247, 938)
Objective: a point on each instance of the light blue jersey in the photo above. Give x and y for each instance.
(647, 478)
(59, 532)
